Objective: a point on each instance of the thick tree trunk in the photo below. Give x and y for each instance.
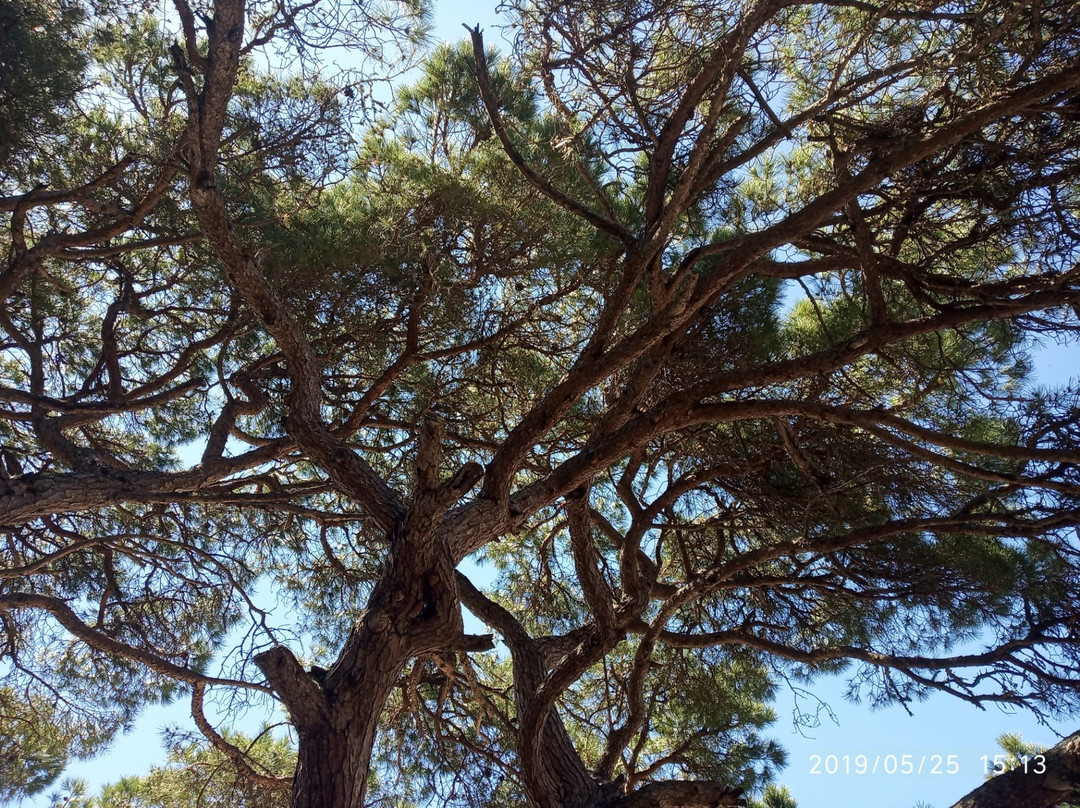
(332, 768)
(414, 609)
(336, 714)
(1048, 780)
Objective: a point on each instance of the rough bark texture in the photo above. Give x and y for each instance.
(336, 726)
(1048, 780)
(412, 610)
(336, 714)
(551, 767)
(683, 795)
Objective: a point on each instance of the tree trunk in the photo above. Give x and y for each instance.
(336, 714)
(332, 769)
(1049, 780)
(414, 609)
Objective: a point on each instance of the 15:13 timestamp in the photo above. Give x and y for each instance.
(999, 764)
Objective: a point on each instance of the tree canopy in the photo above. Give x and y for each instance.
(685, 346)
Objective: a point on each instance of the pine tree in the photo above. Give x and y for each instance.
(681, 354)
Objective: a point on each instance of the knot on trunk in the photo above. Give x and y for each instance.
(301, 692)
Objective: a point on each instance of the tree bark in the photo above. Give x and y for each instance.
(1049, 780)
(684, 794)
(331, 769)
(336, 713)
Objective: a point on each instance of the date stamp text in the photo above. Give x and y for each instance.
(919, 764)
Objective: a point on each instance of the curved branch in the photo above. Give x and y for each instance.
(240, 760)
(540, 182)
(551, 768)
(100, 641)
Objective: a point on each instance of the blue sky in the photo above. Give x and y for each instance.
(941, 726)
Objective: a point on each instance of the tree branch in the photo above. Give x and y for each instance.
(101, 641)
(683, 794)
(541, 183)
(237, 757)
